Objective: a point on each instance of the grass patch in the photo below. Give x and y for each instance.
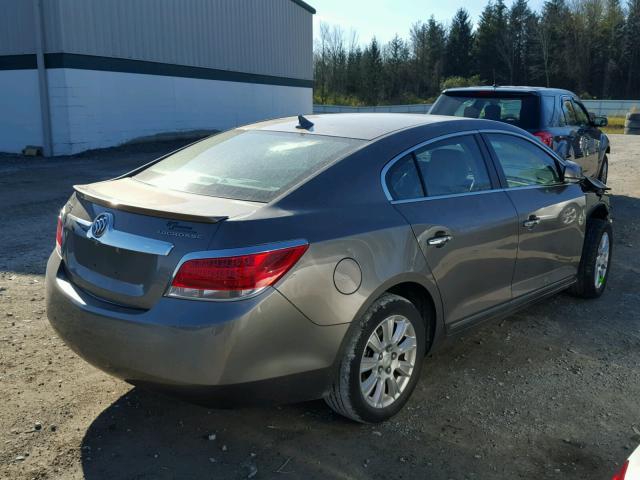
(616, 125)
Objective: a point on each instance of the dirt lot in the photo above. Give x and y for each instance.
(552, 392)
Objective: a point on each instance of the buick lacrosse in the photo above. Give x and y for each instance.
(319, 257)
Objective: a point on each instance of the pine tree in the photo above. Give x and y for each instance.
(372, 73)
(436, 40)
(519, 44)
(459, 45)
(613, 49)
(491, 35)
(632, 50)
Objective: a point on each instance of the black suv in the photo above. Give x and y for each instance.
(557, 117)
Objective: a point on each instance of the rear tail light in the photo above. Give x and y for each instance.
(59, 233)
(233, 276)
(545, 137)
(622, 473)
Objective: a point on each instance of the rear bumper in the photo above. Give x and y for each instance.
(255, 350)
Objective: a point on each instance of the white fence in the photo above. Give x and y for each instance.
(418, 108)
(610, 108)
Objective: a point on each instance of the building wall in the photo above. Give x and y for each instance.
(19, 110)
(268, 37)
(122, 69)
(94, 109)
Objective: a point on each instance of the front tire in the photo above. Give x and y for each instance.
(595, 262)
(381, 363)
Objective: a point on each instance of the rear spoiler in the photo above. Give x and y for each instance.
(87, 193)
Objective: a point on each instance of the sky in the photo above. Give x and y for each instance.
(385, 18)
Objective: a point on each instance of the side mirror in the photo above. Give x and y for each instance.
(600, 121)
(572, 172)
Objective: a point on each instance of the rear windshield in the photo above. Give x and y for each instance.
(519, 110)
(247, 165)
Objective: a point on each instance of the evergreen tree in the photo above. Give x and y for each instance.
(459, 45)
(632, 50)
(519, 44)
(612, 49)
(491, 35)
(436, 40)
(589, 46)
(372, 73)
(550, 62)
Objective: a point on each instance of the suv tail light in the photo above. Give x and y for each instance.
(234, 276)
(59, 233)
(545, 137)
(622, 473)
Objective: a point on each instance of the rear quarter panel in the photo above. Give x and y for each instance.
(343, 213)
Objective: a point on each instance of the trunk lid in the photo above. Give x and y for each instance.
(123, 239)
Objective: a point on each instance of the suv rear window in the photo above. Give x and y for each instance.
(520, 110)
(248, 165)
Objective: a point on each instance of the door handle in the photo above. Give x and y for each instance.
(439, 240)
(531, 222)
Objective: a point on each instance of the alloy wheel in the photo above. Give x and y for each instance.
(602, 260)
(388, 361)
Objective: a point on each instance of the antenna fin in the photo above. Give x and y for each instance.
(304, 123)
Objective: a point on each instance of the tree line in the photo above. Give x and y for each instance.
(591, 47)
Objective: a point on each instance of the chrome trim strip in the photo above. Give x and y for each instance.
(126, 241)
(231, 252)
(86, 224)
(440, 197)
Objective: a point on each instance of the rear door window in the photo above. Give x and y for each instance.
(251, 165)
(523, 163)
(453, 166)
(403, 179)
(549, 115)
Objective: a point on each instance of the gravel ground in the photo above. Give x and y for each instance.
(552, 392)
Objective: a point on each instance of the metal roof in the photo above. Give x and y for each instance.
(305, 5)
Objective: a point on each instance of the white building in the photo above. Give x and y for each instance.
(83, 74)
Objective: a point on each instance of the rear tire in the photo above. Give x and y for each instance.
(376, 377)
(595, 262)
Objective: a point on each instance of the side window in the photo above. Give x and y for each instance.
(550, 119)
(403, 181)
(523, 163)
(569, 112)
(581, 114)
(451, 166)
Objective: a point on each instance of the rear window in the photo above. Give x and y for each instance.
(247, 165)
(519, 110)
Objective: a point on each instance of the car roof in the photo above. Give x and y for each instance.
(364, 126)
(510, 89)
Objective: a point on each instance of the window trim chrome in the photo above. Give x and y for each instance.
(124, 240)
(390, 163)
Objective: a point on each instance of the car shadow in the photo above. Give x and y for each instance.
(146, 434)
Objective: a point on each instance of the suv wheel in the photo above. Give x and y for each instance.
(604, 170)
(381, 363)
(596, 260)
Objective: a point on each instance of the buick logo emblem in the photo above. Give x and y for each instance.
(101, 224)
